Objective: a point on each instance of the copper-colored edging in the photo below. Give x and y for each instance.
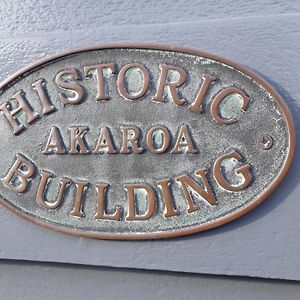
(139, 236)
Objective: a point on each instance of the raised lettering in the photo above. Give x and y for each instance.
(130, 137)
(214, 109)
(18, 176)
(40, 87)
(164, 185)
(11, 113)
(100, 77)
(244, 171)
(205, 193)
(123, 87)
(55, 143)
(208, 80)
(81, 187)
(184, 140)
(153, 141)
(105, 143)
(171, 84)
(66, 80)
(133, 199)
(77, 140)
(40, 195)
(101, 214)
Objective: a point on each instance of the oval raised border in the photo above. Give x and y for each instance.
(168, 234)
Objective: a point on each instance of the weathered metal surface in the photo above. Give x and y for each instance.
(130, 142)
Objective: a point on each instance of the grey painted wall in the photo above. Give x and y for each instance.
(263, 35)
(53, 281)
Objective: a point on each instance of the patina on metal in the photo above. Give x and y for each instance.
(140, 142)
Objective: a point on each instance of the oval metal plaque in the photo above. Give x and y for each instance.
(139, 142)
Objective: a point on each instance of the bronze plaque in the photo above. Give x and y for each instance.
(140, 142)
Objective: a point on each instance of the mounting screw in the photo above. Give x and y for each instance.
(265, 142)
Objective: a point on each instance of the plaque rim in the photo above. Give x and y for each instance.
(184, 231)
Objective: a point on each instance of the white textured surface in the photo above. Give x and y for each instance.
(264, 37)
